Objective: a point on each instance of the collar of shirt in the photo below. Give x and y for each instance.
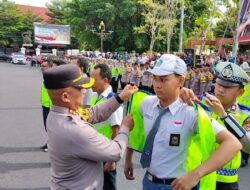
(105, 93)
(59, 109)
(173, 108)
(234, 108)
(64, 110)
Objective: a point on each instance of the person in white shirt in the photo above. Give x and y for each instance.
(173, 123)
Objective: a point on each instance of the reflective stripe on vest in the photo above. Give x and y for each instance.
(201, 144)
(103, 127)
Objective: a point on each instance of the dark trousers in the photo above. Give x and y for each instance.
(114, 84)
(109, 180)
(45, 115)
(244, 156)
(123, 84)
(227, 186)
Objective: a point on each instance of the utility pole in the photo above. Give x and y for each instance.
(236, 34)
(181, 27)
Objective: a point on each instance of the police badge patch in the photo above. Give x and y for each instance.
(227, 72)
(174, 140)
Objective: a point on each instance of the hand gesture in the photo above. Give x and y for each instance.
(215, 104)
(185, 182)
(109, 166)
(129, 170)
(127, 92)
(128, 122)
(187, 96)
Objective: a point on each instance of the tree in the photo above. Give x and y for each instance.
(10, 23)
(170, 19)
(153, 26)
(13, 23)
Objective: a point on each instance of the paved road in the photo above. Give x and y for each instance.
(23, 166)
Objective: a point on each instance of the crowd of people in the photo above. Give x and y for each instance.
(179, 113)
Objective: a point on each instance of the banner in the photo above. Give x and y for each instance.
(244, 28)
(52, 34)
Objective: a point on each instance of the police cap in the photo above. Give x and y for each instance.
(64, 76)
(230, 74)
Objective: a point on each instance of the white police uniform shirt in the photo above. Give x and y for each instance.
(116, 117)
(168, 160)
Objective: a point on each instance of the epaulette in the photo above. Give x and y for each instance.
(110, 95)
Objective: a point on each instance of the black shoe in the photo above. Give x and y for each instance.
(244, 163)
(44, 146)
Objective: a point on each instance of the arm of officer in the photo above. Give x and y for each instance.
(101, 112)
(87, 143)
(229, 147)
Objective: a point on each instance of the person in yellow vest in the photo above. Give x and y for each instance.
(114, 72)
(120, 72)
(235, 117)
(169, 125)
(45, 100)
(244, 99)
(110, 127)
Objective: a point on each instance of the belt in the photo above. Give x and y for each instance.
(154, 179)
(167, 181)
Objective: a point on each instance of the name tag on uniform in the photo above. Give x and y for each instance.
(174, 140)
(177, 123)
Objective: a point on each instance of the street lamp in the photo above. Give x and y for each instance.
(102, 33)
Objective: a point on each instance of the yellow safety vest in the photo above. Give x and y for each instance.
(103, 128)
(245, 98)
(229, 172)
(113, 71)
(45, 99)
(201, 145)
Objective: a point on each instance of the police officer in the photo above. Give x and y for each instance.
(169, 125)
(235, 117)
(45, 99)
(76, 149)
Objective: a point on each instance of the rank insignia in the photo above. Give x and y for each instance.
(85, 114)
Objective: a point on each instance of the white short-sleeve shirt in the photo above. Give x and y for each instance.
(117, 116)
(179, 122)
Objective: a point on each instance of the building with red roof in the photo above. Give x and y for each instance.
(40, 11)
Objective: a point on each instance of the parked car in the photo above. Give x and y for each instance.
(18, 58)
(5, 57)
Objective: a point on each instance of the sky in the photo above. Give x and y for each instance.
(39, 3)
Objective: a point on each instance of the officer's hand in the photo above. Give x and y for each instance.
(185, 182)
(109, 166)
(215, 104)
(127, 92)
(129, 170)
(128, 122)
(187, 96)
